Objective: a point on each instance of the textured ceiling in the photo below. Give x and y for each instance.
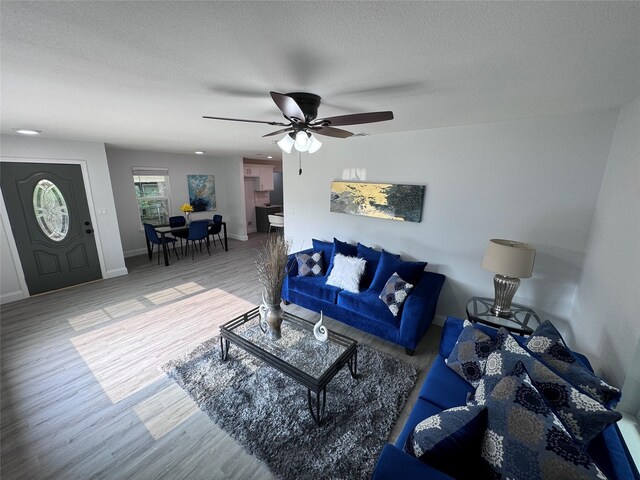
(142, 74)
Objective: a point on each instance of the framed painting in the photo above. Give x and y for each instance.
(202, 192)
(380, 200)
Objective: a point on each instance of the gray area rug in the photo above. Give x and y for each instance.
(267, 412)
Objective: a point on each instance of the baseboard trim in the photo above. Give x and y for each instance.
(12, 296)
(134, 253)
(118, 272)
(439, 320)
(242, 238)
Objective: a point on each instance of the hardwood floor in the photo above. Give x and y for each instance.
(81, 393)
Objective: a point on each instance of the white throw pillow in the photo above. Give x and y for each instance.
(346, 272)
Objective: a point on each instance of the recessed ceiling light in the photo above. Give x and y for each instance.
(28, 131)
(269, 156)
(199, 152)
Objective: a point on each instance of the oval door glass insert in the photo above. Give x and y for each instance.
(51, 210)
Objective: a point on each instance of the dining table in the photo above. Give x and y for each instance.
(163, 230)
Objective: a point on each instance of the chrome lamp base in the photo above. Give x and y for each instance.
(505, 288)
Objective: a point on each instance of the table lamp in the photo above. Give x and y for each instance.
(510, 261)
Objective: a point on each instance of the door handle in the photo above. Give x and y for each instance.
(88, 230)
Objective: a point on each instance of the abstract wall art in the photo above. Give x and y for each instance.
(380, 200)
(202, 192)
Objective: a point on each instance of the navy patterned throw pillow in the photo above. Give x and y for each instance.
(394, 293)
(548, 346)
(471, 351)
(583, 416)
(309, 265)
(525, 439)
(443, 439)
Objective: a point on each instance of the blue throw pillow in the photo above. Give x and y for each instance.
(450, 440)
(310, 265)
(470, 353)
(327, 250)
(342, 248)
(394, 293)
(525, 439)
(547, 345)
(583, 416)
(372, 257)
(389, 264)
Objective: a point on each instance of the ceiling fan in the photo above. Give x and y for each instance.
(301, 110)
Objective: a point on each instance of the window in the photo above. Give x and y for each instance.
(51, 210)
(152, 193)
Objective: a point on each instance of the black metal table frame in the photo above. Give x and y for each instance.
(316, 385)
(185, 228)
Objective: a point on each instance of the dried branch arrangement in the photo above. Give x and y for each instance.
(272, 267)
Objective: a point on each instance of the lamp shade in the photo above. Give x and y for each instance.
(315, 145)
(509, 258)
(286, 143)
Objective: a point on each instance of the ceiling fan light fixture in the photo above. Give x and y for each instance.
(286, 143)
(315, 145)
(302, 141)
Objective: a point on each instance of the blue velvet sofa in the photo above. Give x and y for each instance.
(444, 389)
(364, 310)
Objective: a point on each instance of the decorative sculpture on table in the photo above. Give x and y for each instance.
(320, 331)
(272, 269)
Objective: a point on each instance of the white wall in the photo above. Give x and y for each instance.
(534, 180)
(10, 287)
(607, 305)
(101, 205)
(228, 183)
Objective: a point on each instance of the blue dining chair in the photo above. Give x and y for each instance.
(198, 230)
(152, 236)
(216, 228)
(179, 221)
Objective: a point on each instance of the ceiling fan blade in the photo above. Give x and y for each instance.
(248, 121)
(332, 132)
(278, 132)
(357, 118)
(288, 106)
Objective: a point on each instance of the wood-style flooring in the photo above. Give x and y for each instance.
(81, 393)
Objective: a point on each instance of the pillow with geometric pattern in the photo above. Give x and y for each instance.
(583, 416)
(525, 439)
(548, 346)
(471, 351)
(309, 265)
(445, 438)
(394, 293)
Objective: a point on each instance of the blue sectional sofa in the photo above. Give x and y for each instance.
(364, 310)
(444, 389)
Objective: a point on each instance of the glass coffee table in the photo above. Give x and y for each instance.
(298, 354)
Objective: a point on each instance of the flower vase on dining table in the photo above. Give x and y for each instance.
(188, 217)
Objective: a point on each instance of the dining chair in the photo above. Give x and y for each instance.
(216, 228)
(179, 221)
(152, 236)
(276, 221)
(198, 230)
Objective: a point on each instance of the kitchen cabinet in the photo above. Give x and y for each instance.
(263, 175)
(262, 217)
(265, 181)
